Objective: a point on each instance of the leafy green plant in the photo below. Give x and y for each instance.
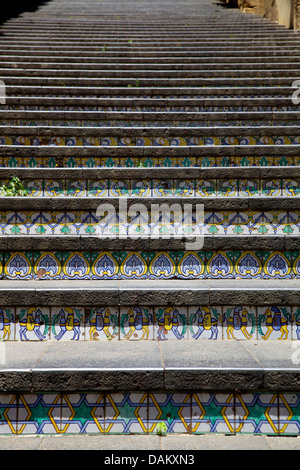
(14, 187)
(161, 429)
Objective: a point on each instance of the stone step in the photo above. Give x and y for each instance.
(227, 80)
(136, 388)
(191, 77)
(150, 103)
(65, 62)
(104, 118)
(212, 92)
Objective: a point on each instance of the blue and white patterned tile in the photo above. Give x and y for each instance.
(33, 324)
(205, 322)
(67, 323)
(239, 323)
(171, 323)
(136, 323)
(102, 324)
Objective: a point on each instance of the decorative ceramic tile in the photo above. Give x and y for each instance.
(133, 265)
(295, 322)
(256, 413)
(98, 188)
(206, 188)
(8, 224)
(47, 265)
(277, 265)
(53, 223)
(205, 323)
(18, 265)
(76, 265)
(271, 188)
(39, 413)
(212, 413)
(28, 222)
(140, 188)
(76, 188)
(33, 324)
(173, 410)
(220, 265)
(227, 188)
(162, 265)
(289, 414)
(7, 323)
(274, 323)
(126, 413)
(163, 188)
(67, 323)
(171, 323)
(54, 188)
(239, 322)
(102, 324)
(119, 188)
(136, 323)
(8, 413)
(90, 412)
(248, 264)
(104, 265)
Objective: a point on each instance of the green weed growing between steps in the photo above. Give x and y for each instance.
(14, 187)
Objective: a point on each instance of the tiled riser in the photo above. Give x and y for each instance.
(145, 413)
(148, 141)
(87, 223)
(142, 323)
(161, 188)
(130, 162)
(151, 265)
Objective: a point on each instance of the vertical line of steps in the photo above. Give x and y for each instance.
(163, 102)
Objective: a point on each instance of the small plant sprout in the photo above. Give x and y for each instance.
(161, 429)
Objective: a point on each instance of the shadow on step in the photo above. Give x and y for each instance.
(13, 8)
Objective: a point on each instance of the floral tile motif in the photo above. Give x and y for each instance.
(76, 265)
(143, 265)
(28, 222)
(18, 265)
(47, 265)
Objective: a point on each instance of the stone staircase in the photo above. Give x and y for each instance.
(182, 103)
